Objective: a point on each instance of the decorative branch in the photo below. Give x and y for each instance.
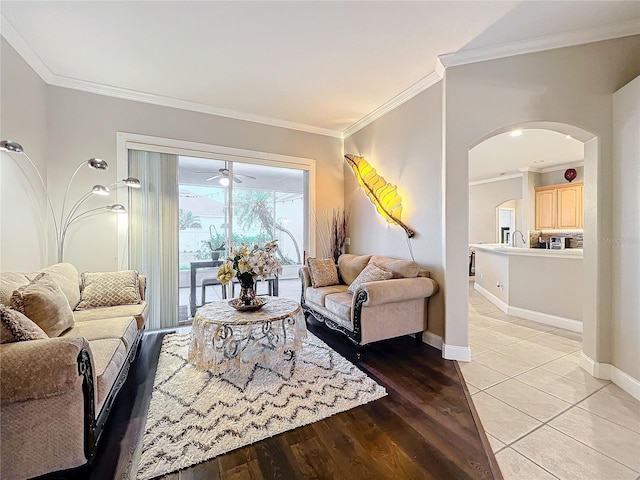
(383, 195)
(338, 233)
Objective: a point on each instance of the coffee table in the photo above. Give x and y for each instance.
(223, 338)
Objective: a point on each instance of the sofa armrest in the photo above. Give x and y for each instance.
(40, 368)
(305, 278)
(397, 290)
(143, 285)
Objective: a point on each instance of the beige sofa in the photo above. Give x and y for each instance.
(376, 310)
(56, 393)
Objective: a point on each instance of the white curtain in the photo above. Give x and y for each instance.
(153, 233)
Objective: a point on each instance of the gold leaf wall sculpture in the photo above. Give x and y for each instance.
(382, 194)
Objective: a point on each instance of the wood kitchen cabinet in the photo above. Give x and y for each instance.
(559, 206)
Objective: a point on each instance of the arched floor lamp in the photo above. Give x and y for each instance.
(62, 224)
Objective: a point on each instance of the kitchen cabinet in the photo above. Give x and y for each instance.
(559, 206)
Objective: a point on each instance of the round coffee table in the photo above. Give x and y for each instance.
(223, 338)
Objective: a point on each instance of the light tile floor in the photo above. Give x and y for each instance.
(544, 416)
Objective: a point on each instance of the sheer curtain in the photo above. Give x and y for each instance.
(153, 233)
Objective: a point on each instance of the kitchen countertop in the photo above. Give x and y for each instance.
(573, 253)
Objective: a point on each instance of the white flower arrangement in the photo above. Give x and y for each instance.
(249, 264)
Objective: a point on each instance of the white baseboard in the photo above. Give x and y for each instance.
(545, 318)
(491, 297)
(432, 339)
(454, 352)
(606, 371)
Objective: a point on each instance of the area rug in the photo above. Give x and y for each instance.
(195, 416)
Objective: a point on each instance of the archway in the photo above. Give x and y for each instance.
(590, 320)
(593, 326)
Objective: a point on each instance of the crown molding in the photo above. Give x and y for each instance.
(136, 96)
(495, 179)
(549, 42)
(408, 94)
(26, 52)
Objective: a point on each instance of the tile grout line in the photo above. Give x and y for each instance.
(514, 377)
(593, 448)
(546, 423)
(541, 365)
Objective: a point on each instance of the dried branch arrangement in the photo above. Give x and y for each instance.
(339, 223)
(332, 233)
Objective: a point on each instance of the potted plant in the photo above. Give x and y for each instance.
(216, 243)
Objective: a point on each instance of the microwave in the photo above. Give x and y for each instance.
(559, 243)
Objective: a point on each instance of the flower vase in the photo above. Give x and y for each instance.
(247, 293)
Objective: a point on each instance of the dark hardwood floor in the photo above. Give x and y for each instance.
(423, 428)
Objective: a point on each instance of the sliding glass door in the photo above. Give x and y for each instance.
(224, 203)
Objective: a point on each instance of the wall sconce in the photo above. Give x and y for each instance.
(383, 195)
(62, 224)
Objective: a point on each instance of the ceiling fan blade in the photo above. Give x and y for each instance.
(245, 176)
(212, 178)
(236, 179)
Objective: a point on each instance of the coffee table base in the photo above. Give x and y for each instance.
(219, 347)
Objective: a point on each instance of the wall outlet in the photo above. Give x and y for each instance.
(347, 241)
(481, 276)
(499, 285)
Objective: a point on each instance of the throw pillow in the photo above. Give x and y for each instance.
(371, 273)
(323, 272)
(15, 327)
(43, 301)
(106, 289)
(351, 265)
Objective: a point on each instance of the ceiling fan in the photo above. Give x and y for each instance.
(224, 176)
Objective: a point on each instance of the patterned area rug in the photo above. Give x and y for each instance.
(195, 416)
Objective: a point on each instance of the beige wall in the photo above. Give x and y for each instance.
(625, 231)
(404, 146)
(556, 177)
(492, 274)
(83, 125)
(23, 210)
(571, 86)
(549, 285)
(483, 201)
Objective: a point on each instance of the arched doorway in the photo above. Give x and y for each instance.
(591, 326)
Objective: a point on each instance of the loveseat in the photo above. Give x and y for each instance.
(67, 343)
(368, 297)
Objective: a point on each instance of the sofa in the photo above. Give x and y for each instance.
(67, 343)
(367, 297)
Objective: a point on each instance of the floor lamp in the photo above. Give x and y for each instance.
(62, 224)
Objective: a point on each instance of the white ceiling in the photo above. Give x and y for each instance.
(535, 148)
(324, 65)
(319, 66)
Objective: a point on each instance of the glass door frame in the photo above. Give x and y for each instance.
(133, 141)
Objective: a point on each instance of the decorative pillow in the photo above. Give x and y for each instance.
(106, 289)
(351, 265)
(43, 301)
(399, 268)
(15, 327)
(323, 272)
(371, 273)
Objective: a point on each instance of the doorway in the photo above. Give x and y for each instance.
(506, 223)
